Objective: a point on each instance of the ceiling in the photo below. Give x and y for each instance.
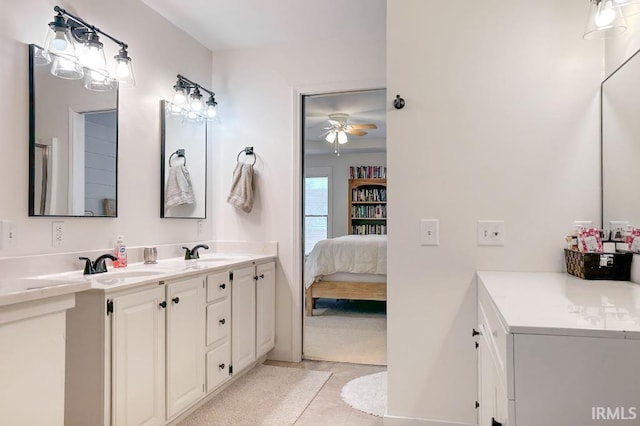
(363, 107)
(231, 24)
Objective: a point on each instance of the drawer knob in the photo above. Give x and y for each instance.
(221, 366)
(474, 333)
(176, 300)
(222, 321)
(223, 286)
(494, 422)
(261, 276)
(162, 304)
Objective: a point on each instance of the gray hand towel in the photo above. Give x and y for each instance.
(179, 189)
(241, 193)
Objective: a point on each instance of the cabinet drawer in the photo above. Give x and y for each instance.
(218, 321)
(493, 331)
(218, 286)
(218, 361)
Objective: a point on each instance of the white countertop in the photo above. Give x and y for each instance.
(560, 304)
(18, 290)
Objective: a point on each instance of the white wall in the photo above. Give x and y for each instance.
(159, 51)
(256, 89)
(619, 49)
(505, 95)
(340, 182)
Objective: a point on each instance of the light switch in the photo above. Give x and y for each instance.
(429, 232)
(491, 233)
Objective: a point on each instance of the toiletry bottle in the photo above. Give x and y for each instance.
(120, 252)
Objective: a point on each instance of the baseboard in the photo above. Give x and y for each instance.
(410, 421)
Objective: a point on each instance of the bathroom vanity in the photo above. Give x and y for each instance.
(145, 346)
(557, 350)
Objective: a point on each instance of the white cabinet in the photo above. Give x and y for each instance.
(218, 334)
(137, 365)
(243, 323)
(265, 308)
(185, 344)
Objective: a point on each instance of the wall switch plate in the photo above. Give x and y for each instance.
(617, 228)
(57, 233)
(8, 234)
(491, 233)
(429, 232)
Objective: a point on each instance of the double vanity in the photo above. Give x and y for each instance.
(142, 345)
(557, 350)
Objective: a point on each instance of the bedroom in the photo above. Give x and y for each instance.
(345, 227)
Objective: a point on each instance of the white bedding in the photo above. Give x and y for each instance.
(360, 254)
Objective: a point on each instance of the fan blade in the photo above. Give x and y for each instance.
(356, 132)
(363, 126)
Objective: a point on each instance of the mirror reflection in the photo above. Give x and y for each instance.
(184, 163)
(73, 146)
(621, 144)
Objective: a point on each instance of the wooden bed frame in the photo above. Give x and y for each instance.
(344, 290)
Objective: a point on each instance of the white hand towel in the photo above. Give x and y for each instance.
(179, 189)
(241, 193)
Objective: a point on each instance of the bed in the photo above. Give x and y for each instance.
(349, 267)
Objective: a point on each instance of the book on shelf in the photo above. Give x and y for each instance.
(367, 172)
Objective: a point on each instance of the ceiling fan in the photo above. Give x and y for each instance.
(337, 133)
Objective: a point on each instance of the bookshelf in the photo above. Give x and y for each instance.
(367, 206)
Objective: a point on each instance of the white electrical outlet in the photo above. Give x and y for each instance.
(429, 232)
(491, 233)
(617, 228)
(7, 229)
(57, 233)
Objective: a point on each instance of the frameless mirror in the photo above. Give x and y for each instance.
(621, 144)
(73, 145)
(184, 163)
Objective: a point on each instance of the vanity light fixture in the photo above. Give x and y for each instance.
(75, 50)
(188, 95)
(605, 20)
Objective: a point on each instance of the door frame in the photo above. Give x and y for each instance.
(297, 186)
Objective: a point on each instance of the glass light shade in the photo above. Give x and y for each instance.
(40, 57)
(196, 101)
(331, 137)
(92, 55)
(99, 82)
(211, 111)
(66, 68)
(59, 43)
(342, 137)
(180, 96)
(605, 20)
(628, 7)
(123, 70)
(192, 115)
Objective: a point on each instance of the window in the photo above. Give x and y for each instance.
(316, 211)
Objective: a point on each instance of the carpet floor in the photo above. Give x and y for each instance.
(347, 331)
(266, 395)
(367, 393)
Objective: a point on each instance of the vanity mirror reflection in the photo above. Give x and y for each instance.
(621, 144)
(73, 145)
(184, 163)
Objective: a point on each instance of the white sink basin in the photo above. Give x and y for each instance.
(116, 277)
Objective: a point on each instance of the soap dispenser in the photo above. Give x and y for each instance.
(120, 252)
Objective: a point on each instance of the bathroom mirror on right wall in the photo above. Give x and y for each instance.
(184, 164)
(621, 144)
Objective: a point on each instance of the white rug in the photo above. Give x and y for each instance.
(346, 331)
(367, 393)
(266, 395)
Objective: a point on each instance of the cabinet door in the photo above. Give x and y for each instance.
(265, 308)
(243, 318)
(137, 365)
(185, 344)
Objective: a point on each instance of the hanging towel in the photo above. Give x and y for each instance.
(241, 193)
(179, 189)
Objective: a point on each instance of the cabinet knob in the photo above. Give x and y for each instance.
(223, 286)
(474, 333)
(221, 366)
(163, 304)
(261, 276)
(494, 422)
(176, 300)
(255, 278)
(222, 321)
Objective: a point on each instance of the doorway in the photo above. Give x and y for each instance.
(344, 226)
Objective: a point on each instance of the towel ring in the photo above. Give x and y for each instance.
(247, 151)
(179, 153)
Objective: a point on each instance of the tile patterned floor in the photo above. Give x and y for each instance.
(328, 408)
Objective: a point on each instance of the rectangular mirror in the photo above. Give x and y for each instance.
(184, 163)
(621, 144)
(73, 145)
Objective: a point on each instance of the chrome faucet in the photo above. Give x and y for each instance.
(98, 266)
(193, 253)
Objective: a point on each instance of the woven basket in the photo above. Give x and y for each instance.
(599, 266)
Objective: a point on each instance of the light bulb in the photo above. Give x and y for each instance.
(331, 137)
(196, 104)
(211, 111)
(342, 137)
(179, 97)
(606, 14)
(122, 69)
(59, 42)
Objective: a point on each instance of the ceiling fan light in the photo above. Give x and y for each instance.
(342, 137)
(331, 137)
